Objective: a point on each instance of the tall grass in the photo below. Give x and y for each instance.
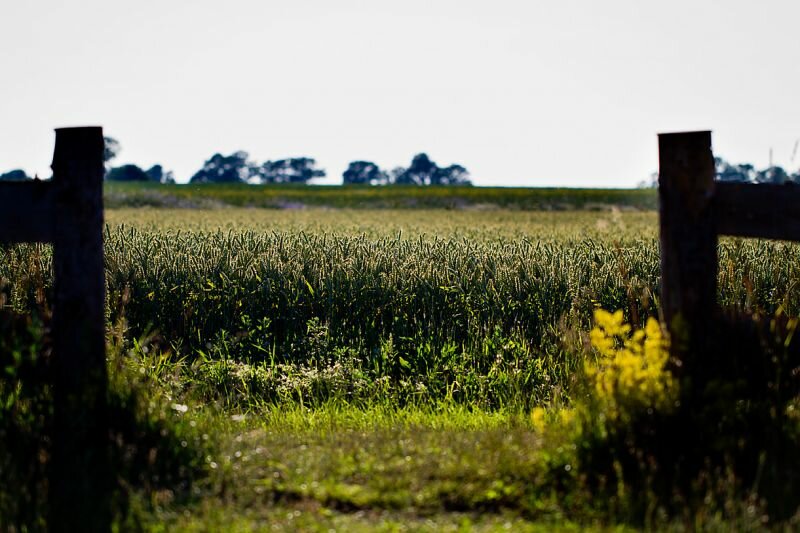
(489, 320)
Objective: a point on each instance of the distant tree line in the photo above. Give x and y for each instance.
(422, 171)
(155, 173)
(134, 173)
(743, 173)
(239, 168)
(748, 174)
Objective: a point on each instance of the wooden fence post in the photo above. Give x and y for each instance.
(80, 480)
(688, 240)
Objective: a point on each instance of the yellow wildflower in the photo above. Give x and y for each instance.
(631, 374)
(539, 418)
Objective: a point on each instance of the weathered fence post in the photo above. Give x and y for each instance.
(80, 480)
(688, 239)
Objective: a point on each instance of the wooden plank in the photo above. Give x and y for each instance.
(26, 211)
(764, 211)
(81, 480)
(688, 242)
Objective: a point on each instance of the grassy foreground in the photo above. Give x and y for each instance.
(379, 467)
(361, 369)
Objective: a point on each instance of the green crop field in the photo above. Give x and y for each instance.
(369, 359)
(358, 196)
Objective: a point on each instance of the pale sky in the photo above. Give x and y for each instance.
(525, 93)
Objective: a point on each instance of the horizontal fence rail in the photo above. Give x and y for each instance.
(27, 211)
(765, 211)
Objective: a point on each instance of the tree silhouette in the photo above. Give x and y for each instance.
(730, 172)
(127, 173)
(156, 173)
(773, 174)
(238, 168)
(111, 149)
(14, 175)
(234, 168)
(291, 170)
(134, 173)
(452, 175)
(423, 171)
(364, 173)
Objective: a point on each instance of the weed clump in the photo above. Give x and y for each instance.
(630, 375)
(655, 440)
(155, 447)
(25, 420)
